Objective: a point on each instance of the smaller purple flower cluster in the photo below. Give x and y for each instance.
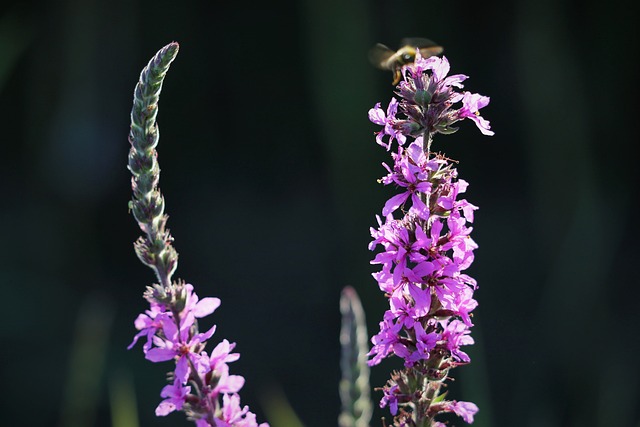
(427, 97)
(199, 380)
(427, 249)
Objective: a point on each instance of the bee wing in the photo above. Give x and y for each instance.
(379, 54)
(431, 51)
(418, 42)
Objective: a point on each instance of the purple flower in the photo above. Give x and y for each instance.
(407, 178)
(456, 334)
(378, 116)
(425, 342)
(148, 324)
(403, 310)
(471, 103)
(235, 416)
(175, 397)
(390, 398)
(222, 355)
(397, 244)
(227, 383)
(463, 304)
(180, 345)
(217, 365)
(385, 341)
(465, 410)
(199, 308)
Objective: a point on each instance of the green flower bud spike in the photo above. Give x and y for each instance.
(153, 248)
(355, 391)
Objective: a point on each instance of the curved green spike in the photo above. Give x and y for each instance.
(354, 386)
(154, 249)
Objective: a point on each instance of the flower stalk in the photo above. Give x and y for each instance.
(200, 385)
(426, 245)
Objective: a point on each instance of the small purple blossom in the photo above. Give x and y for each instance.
(408, 177)
(221, 355)
(199, 307)
(471, 104)
(148, 324)
(387, 340)
(235, 416)
(175, 395)
(378, 116)
(465, 410)
(425, 343)
(456, 334)
(390, 398)
(179, 344)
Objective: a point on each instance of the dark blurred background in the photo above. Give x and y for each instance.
(269, 169)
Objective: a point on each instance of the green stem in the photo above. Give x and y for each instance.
(428, 139)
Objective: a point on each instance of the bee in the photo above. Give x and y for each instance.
(387, 59)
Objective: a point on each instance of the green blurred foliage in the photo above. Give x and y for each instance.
(269, 170)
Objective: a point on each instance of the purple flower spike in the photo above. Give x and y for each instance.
(171, 323)
(426, 245)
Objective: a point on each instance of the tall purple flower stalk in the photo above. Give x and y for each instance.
(426, 245)
(200, 384)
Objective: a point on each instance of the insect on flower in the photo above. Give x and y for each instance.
(387, 59)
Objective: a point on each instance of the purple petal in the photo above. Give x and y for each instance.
(466, 410)
(376, 115)
(160, 354)
(206, 335)
(422, 300)
(135, 339)
(170, 329)
(206, 306)
(142, 321)
(394, 203)
(455, 80)
(182, 369)
(165, 408)
(439, 66)
(233, 383)
(419, 207)
(424, 269)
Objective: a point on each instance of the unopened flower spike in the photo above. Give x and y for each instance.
(354, 385)
(425, 236)
(154, 249)
(200, 384)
